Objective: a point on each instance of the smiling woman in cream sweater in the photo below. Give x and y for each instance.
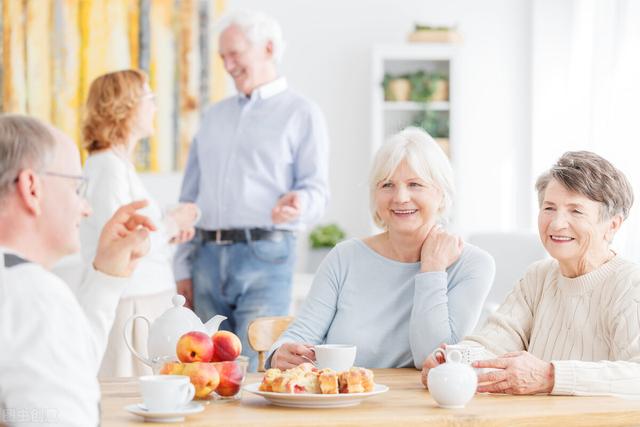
(572, 324)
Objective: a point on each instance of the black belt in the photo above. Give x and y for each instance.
(239, 235)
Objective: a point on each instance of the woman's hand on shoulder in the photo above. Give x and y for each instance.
(290, 355)
(439, 250)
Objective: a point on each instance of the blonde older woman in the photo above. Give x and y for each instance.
(572, 324)
(398, 294)
(119, 112)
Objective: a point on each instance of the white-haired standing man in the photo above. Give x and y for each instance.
(258, 170)
(51, 344)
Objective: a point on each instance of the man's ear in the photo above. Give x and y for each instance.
(268, 47)
(29, 190)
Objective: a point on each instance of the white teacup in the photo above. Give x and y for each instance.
(166, 393)
(339, 357)
(469, 353)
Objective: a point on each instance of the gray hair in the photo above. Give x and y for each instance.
(259, 28)
(25, 142)
(586, 173)
(424, 156)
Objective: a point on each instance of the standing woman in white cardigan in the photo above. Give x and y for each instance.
(119, 112)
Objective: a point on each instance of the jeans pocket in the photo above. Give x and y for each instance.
(272, 251)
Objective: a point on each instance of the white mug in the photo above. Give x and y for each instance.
(469, 353)
(339, 357)
(166, 393)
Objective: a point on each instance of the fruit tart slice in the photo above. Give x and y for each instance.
(356, 380)
(328, 379)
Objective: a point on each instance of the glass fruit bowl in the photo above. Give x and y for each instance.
(232, 375)
(213, 380)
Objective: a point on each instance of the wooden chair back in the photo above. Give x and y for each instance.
(263, 332)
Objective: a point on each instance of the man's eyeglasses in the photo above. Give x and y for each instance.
(82, 182)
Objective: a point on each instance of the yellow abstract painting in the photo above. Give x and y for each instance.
(53, 49)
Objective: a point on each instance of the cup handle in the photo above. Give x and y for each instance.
(441, 352)
(126, 339)
(191, 392)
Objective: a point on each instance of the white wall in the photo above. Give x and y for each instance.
(328, 59)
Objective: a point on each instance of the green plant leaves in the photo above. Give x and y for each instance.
(326, 236)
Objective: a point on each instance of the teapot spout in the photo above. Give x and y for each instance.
(213, 324)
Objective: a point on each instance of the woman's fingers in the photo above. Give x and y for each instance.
(491, 363)
(305, 350)
(499, 387)
(492, 377)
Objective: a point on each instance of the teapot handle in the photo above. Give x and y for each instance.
(126, 339)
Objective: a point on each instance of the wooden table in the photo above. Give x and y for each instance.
(407, 403)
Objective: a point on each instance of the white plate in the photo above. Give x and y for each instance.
(165, 417)
(307, 400)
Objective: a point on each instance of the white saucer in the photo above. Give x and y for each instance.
(165, 417)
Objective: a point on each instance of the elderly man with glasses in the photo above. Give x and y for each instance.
(52, 343)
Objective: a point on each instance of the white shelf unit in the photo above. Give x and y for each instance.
(415, 106)
(388, 117)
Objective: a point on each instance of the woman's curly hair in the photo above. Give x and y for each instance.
(111, 107)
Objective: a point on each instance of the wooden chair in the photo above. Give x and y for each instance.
(263, 332)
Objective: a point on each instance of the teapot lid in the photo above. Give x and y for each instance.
(179, 315)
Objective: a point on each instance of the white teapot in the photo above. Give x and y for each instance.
(167, 329)
(453, 383)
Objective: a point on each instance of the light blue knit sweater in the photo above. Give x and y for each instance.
(393, 313)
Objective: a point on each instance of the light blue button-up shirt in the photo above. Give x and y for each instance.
(248, 152)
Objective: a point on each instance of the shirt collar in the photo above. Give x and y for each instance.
(11, 253)
(268, 90)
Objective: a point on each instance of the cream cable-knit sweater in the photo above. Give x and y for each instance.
(588, 327)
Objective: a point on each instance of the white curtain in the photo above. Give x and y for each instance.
(586, 89)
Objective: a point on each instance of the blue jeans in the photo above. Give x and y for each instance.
(243, 281)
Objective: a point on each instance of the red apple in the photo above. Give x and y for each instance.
(194, 347)
(226, 346)
(231, 376)
(204, 377)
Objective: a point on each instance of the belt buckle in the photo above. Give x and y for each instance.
(219, 240)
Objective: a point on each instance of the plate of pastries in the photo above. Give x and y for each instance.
(306, 386)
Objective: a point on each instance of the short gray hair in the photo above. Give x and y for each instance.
(586, 173)
(25, 142)
(259, 29)
(424, 156)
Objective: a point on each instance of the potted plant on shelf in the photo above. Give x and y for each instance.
(435, 124)
(439, 86)
(419, 86)
(396, 88)
(434, 34)
(322, 239)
